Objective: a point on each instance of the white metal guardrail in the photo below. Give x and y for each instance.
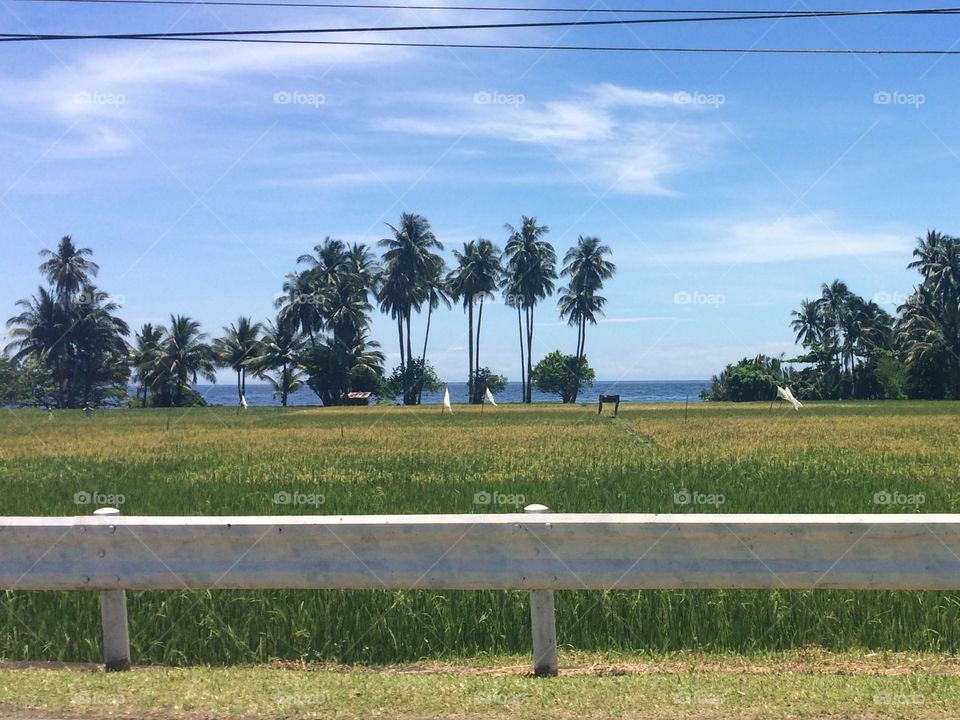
(536, 551)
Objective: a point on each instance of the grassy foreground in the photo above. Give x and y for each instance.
(791, 685)
(864, 457)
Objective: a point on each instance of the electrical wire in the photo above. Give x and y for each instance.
(13, 37)
(461, 8)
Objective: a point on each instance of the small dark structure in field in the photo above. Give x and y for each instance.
(358, 398)
(615, 399)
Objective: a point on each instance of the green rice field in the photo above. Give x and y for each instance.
(753, 458)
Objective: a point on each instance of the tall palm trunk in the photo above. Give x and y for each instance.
(523, 372)
(403, 370)
(409, 398)
(423, 357)
(470, 349)
(239, 388)
(529, 398)
(284, 385)
(476, 357)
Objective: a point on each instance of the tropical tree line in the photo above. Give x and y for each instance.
(69, 348)
(854, 349)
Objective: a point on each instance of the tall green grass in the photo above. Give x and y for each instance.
(829, 458)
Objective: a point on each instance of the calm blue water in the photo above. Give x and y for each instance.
(634, 391)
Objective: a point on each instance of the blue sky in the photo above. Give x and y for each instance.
(728, 186)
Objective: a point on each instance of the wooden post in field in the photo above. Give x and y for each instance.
(113, 619)
(543, 622)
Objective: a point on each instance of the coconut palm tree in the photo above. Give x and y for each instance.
(808, 322)
(280, 350)
(234, 350)
(410, 267)
(68, 268)
(145, 358)
(531, 267)
(476, 276)
(437, 294)
(929, 323)
(301, 303)
(489, 271)
(463, 285)
(185, 357)
(587, 267)
(81, 343)
(938, 261)
(331, 255)
(834, 301)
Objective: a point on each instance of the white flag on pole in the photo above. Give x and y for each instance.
(490, 399)
(446, 399)
(788, 396)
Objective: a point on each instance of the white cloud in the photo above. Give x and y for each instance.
(96, 94)
(609, 137)
(610, 95)
(633, 320)
(787, 239)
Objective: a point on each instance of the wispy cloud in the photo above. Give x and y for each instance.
(786, 239)
(612, 137)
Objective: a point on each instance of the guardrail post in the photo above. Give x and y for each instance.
(543, 622)
(113, 619)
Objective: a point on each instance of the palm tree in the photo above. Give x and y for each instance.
(186, 356)
(98, 354)
(39, 330)
(587, 267)
(532, 269)
(280, 349)
(361, 267)
(146, 356)
(410, 268)
(463, 286)
(929, 324)
(68, 268)
(301, 303)
(488, 272)
(234, 350)
(437, 294)
(476, 276)
(808, 322)
(331, 256)
(81, 343)
(835, 305)
(937, 258)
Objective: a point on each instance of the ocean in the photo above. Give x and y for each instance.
(630, 391)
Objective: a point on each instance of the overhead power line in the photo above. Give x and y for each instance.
(12, 37)
(580, 48)
(459, 8)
